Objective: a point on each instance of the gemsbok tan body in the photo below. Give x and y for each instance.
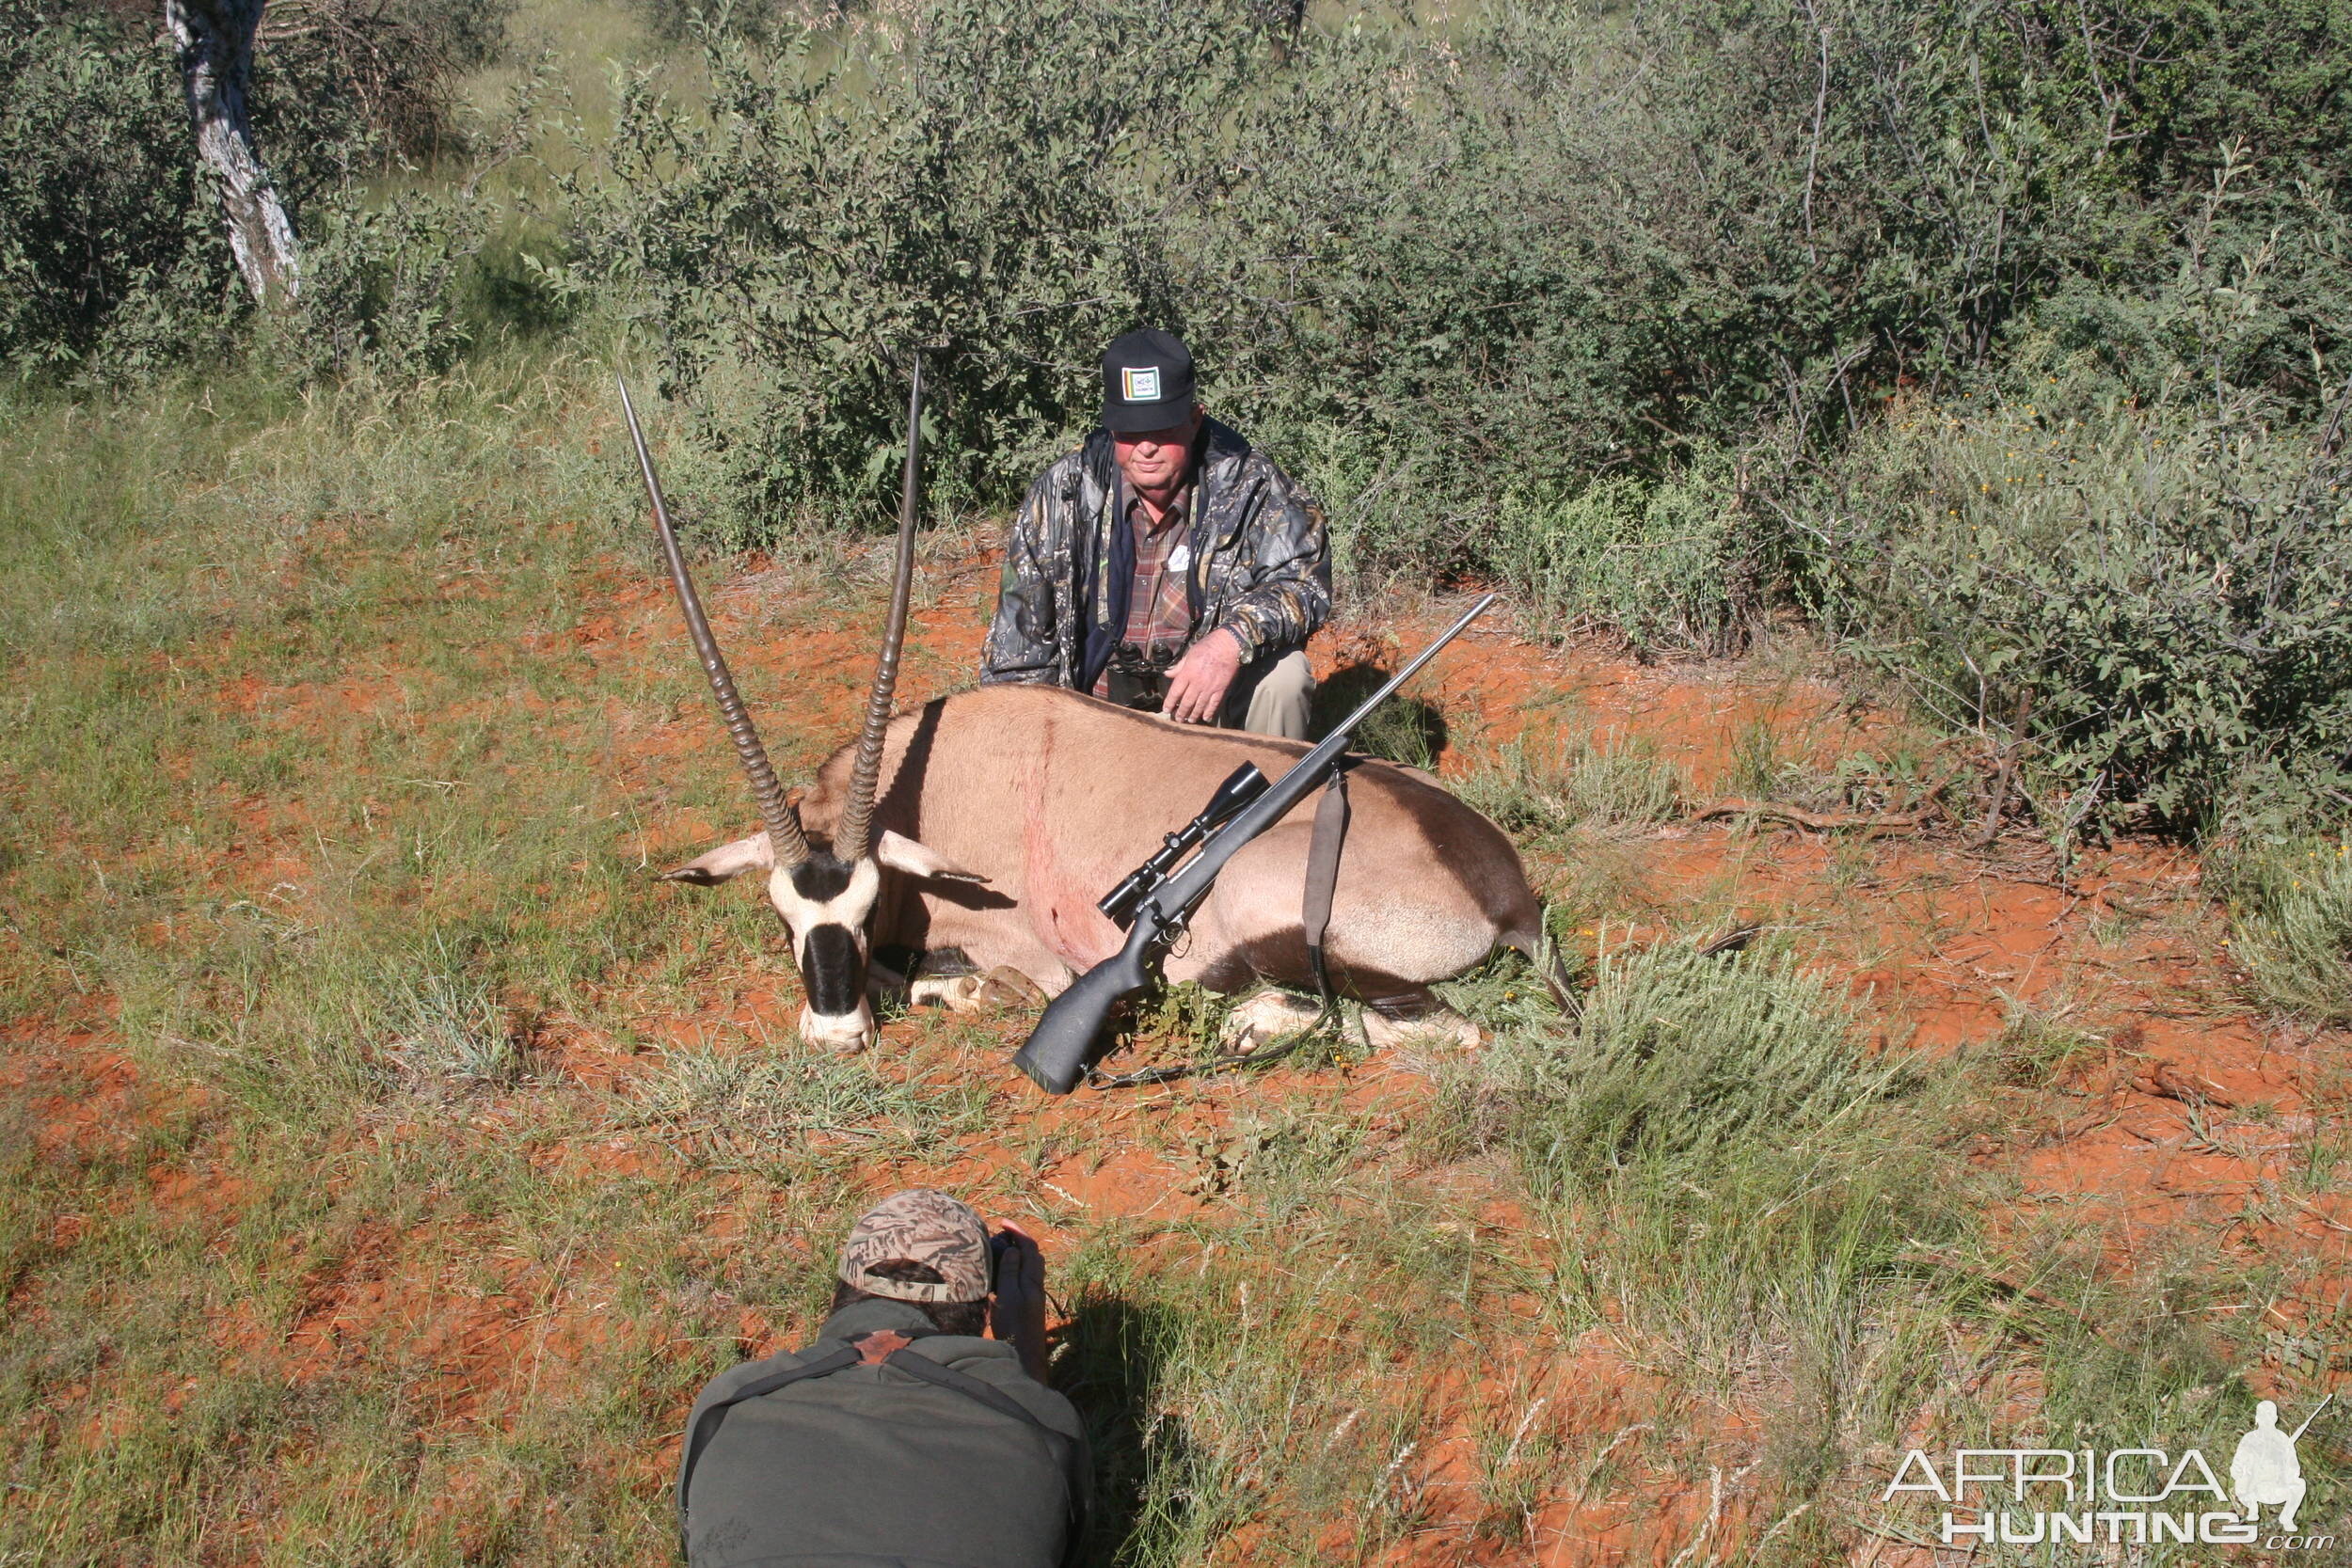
(987, 824)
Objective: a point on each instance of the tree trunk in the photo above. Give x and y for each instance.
(215, 38)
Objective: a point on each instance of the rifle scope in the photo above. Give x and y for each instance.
(1243, 785)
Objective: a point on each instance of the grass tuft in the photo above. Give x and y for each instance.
(2293, 928)
(2037, 1047)
(451, 1030)
(1581, 781)
(1680, 1059)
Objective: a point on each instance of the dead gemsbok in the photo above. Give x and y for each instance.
(981, 828)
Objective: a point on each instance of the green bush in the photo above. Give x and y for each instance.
(2158, 592)
(673, 20)
(385, 286)
(110, 252)
(113, 259)
(382, 72)
(1676, 566)
(1682, 1062)
(1582, 779)
(1741, 1188)
(1426, 265)
(968, 184)
(1504, 291)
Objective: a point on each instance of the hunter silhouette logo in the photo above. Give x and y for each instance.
(2122, 1496)
(2265, 1472)
(1142, 383)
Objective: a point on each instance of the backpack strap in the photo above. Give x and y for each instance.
(940, 1375)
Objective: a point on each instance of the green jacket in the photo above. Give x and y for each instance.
(873, 1467)
(1260, 564)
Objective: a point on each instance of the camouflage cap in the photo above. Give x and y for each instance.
(918, 1226)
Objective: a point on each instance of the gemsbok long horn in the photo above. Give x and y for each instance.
(783, 819)
(857, 811)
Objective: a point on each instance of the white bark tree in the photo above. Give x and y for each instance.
(215, 39)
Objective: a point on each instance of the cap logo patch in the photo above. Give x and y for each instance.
(1141, 383)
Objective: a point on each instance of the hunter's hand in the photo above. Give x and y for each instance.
(1198, 684)
(1017, 1312)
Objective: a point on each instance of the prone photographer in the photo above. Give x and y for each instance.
(904, 1434)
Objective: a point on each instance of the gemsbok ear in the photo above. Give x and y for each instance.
(901, 853)
(755, 853)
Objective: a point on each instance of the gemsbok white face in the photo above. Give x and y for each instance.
(825, 894)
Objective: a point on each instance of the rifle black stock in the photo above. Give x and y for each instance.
(1059, 1049)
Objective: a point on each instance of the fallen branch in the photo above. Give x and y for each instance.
(1870, 823)
(2162, 1080)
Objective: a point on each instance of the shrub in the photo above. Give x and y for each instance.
(1582, 779)
(1741, 1188)
(112, 262)
(1431, 266)
(2159, 591)
(388, 70)
(1675, 567)
(1682, 1061)
(673, 20)
(1425, 265)
(384, 285)
(969, 186)
(110, 252)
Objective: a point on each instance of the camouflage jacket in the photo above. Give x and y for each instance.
(1260, 564)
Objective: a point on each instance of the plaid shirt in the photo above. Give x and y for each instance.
(1159, 606)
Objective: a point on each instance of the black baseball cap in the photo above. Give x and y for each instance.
(1147, 382)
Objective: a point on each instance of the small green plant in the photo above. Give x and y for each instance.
(449, 1029)
(1603, 780)
(1760, 767)
(1680, 1056)
(2292, 928)
(2037, 1047)
(1402, 729)
(1673, 567)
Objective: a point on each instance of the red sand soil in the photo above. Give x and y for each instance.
(2176, 1130)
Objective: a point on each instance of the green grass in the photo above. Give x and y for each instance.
(2292, 929)
(1599, 780)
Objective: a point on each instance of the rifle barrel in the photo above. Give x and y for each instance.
(1412, 668)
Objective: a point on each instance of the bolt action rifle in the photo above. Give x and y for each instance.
(1155, 902)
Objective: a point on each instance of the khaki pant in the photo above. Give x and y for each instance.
(1271, 698)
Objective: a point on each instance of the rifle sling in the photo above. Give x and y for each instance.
(1322, 877)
